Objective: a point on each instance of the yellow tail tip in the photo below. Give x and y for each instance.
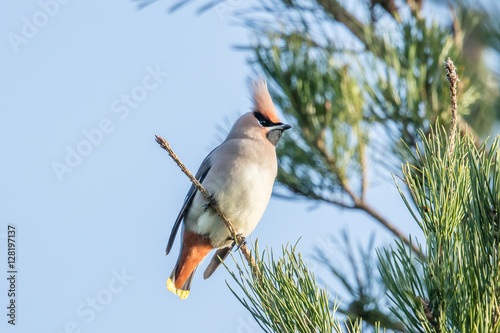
(183, 294)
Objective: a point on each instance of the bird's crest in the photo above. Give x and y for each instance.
(262, 101)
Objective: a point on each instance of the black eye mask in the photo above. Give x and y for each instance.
(276, 129)
(263, 121)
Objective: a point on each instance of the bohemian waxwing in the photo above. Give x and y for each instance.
(240, 174)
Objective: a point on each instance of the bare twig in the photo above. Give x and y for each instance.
(360, 203)
(239, 239)
(451, 76)
(415, 6)
(370, 211)
(364, 173)
(343, 16)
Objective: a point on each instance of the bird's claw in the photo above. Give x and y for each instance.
(243, 242)
(211, 202)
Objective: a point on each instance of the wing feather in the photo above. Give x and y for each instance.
(200, 175)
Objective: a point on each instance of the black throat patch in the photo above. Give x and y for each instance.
(274, 136)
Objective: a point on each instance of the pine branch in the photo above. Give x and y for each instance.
(455, 192)
(239, 239)
(287, 298)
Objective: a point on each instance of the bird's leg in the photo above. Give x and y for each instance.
(211, 202)
(242, 241)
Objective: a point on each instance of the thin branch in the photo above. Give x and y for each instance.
(364, 33)
(239, 239)
(451, 76)
(341, 15)
(337, 203)
(370, 211)
(415, 6)
(390, 7)
(360, 203)
(364, 173)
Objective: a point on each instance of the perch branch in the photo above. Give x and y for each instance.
(239, 239)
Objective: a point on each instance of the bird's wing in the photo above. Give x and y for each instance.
(217, 259)
(200, 175)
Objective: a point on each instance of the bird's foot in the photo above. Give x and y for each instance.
(242, 241)
(211, 202)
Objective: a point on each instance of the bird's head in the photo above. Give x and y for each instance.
(263, 120)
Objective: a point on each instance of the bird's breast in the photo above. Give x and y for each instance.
(242, 182)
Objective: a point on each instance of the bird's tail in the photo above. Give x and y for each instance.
(183, 291)
(194, 249)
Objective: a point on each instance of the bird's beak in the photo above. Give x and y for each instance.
(281, 126)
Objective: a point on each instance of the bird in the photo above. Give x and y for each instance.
(239, 174)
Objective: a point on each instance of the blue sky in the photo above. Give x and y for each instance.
(101, 79)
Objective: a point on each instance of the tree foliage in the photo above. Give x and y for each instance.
(285, 297)
(457, 198)
(362, 83)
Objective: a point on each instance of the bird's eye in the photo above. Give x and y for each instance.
(263, 121)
